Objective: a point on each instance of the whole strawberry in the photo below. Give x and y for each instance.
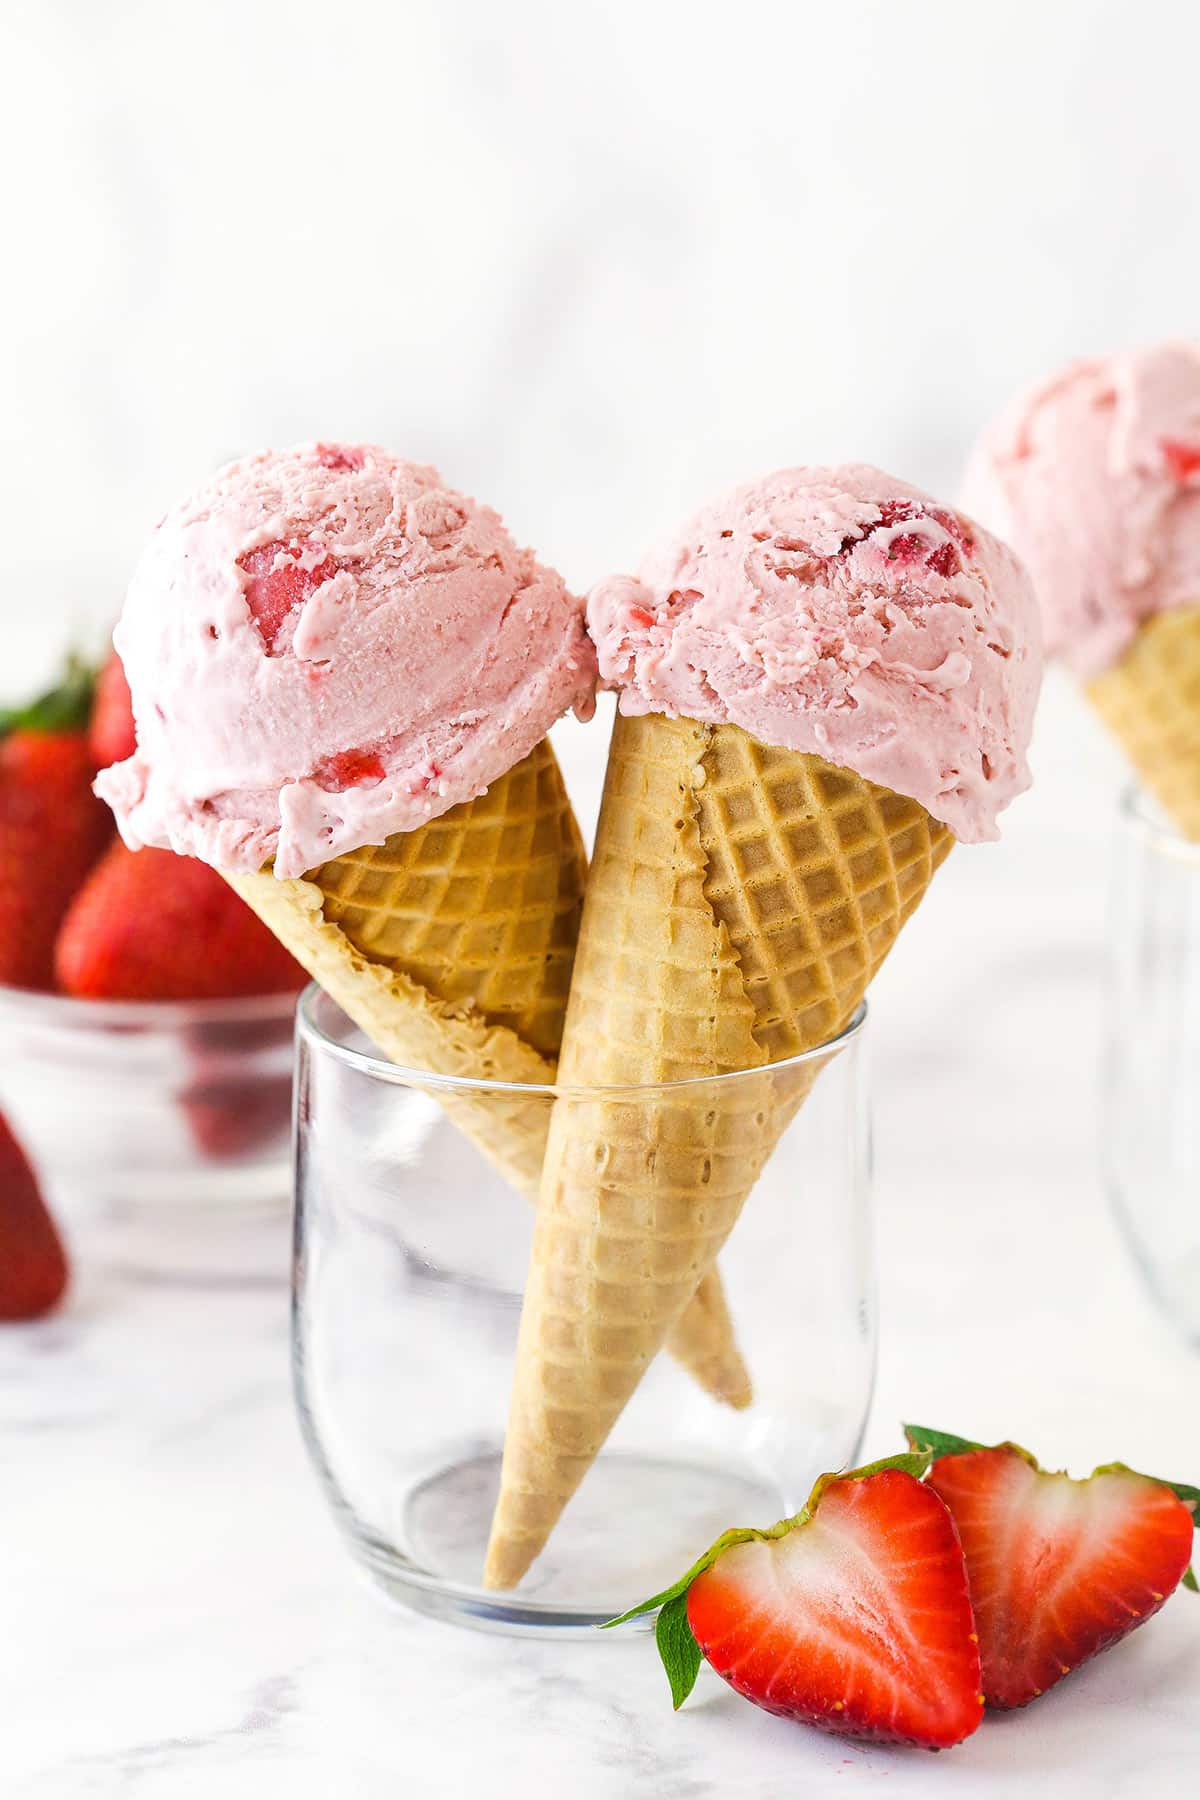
(112, 731)
(233, 1119)
(238, 1102)
(33, 1264)
(1059, 1569)
(52, 827)
(150, 925)
(853, 1616)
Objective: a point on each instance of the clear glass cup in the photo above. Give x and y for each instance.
(155, 1121)
(410, 1260)
(1151, 1131)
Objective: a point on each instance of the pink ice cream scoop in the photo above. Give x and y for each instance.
(326, 646)
(1095, 478)
(841, 612)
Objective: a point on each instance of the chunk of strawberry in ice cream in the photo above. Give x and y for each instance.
(328, 645)
(842, 612)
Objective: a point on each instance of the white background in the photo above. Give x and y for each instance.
(596, 262)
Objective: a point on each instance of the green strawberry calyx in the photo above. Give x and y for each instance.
(944, 1443)
(677, 1646)
(65, 707)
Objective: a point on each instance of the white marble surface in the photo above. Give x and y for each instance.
(180, 1620)
(596, 262)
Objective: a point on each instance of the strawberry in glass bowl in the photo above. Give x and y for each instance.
(145, 1013)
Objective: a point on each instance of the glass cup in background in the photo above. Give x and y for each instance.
(1152, 1068)
(156, 1127)
(411, 1254)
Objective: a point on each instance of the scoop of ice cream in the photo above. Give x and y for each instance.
(841, 612)
(1095, 479)
(326, 646)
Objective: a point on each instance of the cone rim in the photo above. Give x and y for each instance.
(378, 1068)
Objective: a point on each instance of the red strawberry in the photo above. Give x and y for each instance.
(52, 827)
(279, 579)
(350, 769)
(1059, 1569)
(229, 1119)
(853, 1616)
(112, 733)
(33, 1264)
(240, 1096)
(1182, 459)
(150, 925)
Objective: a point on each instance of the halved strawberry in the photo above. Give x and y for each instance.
(1059, 1568)
(853, 1616)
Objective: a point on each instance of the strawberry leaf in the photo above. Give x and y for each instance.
(944, 1443)
(66, 707)
(678, 1648)
(1190, 1582)
(679, 1589)
(938, 1443)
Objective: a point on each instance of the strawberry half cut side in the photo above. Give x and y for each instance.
(853, 1616)
(1059, 1569)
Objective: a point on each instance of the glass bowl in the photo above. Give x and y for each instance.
(151, 1108)
(410, 1258)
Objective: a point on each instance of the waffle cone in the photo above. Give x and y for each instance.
(451, 947)
(741, 898)
(1150, 700)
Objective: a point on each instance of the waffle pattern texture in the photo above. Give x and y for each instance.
(500, 878)
(740, 901)
(451, 947)
(1150, 700)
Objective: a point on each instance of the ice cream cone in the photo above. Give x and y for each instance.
(1093, 476)
(1150, 700)
(451, 946)
(741, 899)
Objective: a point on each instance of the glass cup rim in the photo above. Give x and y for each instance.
(1139, 813)
(399, 1075)
(66, 1011)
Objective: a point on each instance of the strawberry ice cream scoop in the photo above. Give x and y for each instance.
(1095, 478)
(840, 612)
(326, 646)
